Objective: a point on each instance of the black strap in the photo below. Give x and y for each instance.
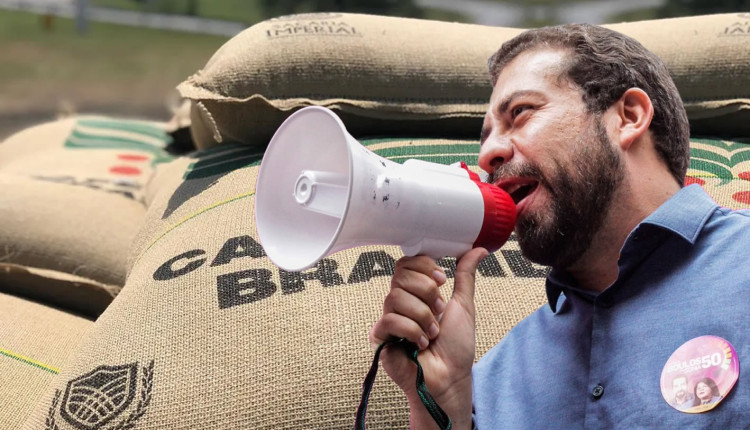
(411, 350)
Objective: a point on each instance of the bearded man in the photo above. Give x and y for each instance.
(587, 132)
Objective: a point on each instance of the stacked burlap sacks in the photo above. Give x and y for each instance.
(409, 77)
(209, 334)
(35, 342)
(72, 202)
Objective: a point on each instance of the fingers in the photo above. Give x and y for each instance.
(465, 278)
(414, 303)
(392, 326)
(420, 277)
(422, 321)
(413, 307)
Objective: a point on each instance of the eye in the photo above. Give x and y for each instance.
(518, 110)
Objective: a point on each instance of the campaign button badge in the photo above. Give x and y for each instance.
(700, 374)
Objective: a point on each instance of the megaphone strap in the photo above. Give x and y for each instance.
(411, 350)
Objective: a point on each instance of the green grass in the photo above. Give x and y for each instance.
(112, 69)
(636, 15)
(108, 52)
(247, 11)
(443, 15)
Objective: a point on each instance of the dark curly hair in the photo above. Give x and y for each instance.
(604, 64)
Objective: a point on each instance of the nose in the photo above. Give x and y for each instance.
(494, 152)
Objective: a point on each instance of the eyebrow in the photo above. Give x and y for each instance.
(503, 107)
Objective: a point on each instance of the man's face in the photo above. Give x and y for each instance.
(679, 388)
(555, 159)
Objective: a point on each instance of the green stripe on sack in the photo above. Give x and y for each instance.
(426, 150)
(136, 127)
(712, 169)
(80, 139)
(375, 141)
(721, 144)
(224, 156)
(736, 156)
(369, 141)
(223, 161)
(29, 361)
(446, 159)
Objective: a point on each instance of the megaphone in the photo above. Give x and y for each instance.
(319, 191)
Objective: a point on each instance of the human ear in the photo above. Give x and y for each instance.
(634, 111)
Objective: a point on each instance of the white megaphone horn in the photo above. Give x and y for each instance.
(319, 192)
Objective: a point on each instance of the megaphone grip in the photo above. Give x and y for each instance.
(499, 217)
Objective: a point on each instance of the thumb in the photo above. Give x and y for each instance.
(466, 275)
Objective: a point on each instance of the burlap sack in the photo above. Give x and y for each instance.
(722, 168)
(212, 335)
(178, 126)
(67, 291)
(209, 334)
(35, 342)
(405, 75)
(415, 77)
(708, 58)
(72, 203)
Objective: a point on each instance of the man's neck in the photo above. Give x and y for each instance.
(598, 267)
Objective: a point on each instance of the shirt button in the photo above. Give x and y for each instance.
(597, 391)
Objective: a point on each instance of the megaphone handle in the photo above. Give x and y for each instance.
(412, 351)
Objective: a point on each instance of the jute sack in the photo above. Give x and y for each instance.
(35, 342)
(212, 335)
(708, 58)
(72, 203)
(209, 334)
(413, 77)
(722, 168)
(407, 76)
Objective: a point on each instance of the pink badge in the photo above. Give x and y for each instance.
(700, 374)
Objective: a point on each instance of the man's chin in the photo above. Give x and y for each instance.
(538, 254)
(542, 246)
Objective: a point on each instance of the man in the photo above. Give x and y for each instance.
(682, 397)
(586, 131)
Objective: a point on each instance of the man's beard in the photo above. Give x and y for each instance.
(580, 199)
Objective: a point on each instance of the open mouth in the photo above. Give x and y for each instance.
(520, 191)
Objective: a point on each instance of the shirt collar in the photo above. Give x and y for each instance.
(684, 214)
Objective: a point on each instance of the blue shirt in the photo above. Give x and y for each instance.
(595, 362)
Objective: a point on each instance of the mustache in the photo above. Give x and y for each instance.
(524, 170)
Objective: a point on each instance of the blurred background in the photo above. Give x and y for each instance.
(124, 57)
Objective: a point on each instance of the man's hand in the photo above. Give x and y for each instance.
(444, 332)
